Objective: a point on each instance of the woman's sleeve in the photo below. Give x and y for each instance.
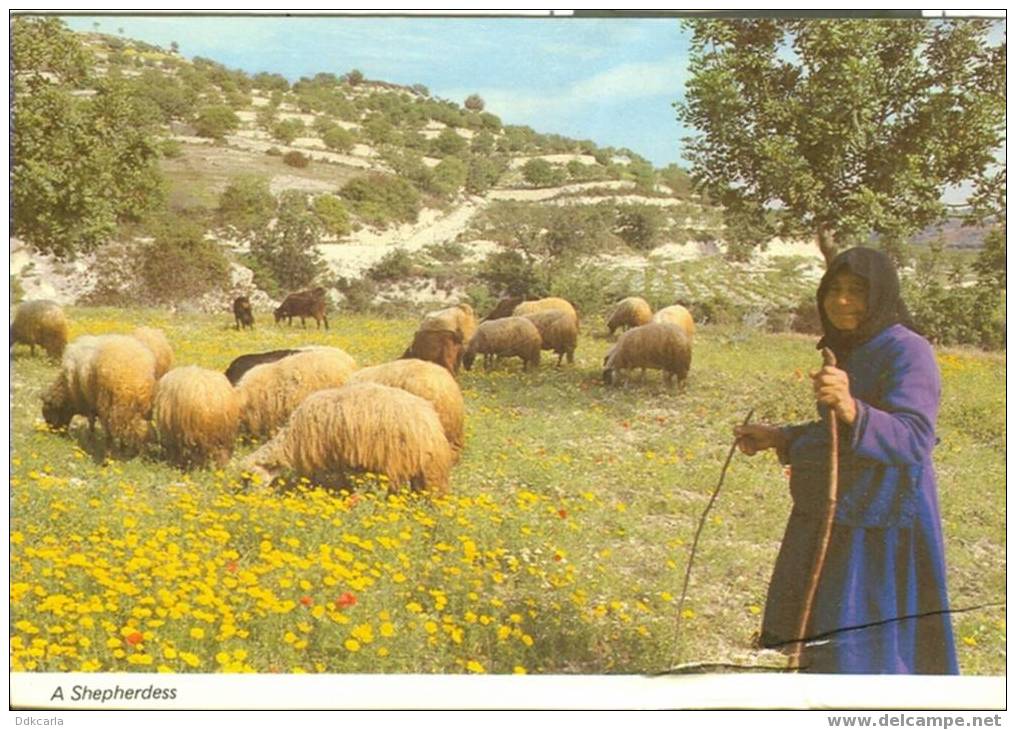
(790, 434)
(902, 429)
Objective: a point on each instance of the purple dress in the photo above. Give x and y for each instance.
(881, 605)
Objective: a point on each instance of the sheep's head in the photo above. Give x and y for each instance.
(608, 376)
(57, 408)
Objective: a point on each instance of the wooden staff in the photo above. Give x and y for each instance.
(828, 359)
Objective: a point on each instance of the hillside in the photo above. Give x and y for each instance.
(427, 200)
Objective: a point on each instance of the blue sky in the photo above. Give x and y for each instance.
(613, 81)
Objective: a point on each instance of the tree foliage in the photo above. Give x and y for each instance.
(474, 103)
(841, 127)
(82, 165)
(216, 121)
(288, 247)
(246, 204)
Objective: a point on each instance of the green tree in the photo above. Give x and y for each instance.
(339, 139)
(216, 121)
(247, 204)
(449, 176)
(287, 130)
(474, 103)
(354, 77)
(841, 127)
(333, 214)
(541, 174)
(450, 142)
(380, 199)
(638, 226)
(81, 165)
(288, 247)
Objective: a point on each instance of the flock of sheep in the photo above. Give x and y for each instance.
(321, 416)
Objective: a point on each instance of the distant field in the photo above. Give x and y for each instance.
(202, 172)
(561, 548)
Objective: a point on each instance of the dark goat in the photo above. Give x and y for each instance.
(443, 347)
(243, 313)
(302, 304)
(504, 308)
(242, 364)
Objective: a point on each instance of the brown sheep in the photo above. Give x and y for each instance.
(269, 393)
(359, 428)
(197, 416)
(677, 315)
(629, 312)
(508, 337)
(443, 347)
(40, 322)
(122, 383)
(155, 340)
(657, 346)
(70, 394)
(558, 332)
(459, 318)
(243, 313)
(431, 382)
(303, 304)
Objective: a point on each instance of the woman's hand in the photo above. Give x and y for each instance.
(754, 437)
(832, 387)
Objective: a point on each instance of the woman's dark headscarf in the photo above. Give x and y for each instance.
(885, 307)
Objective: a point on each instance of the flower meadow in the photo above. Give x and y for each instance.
(560, 548)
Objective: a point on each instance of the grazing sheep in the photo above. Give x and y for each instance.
(271, 392)
(361, 427)
(40, 322)
(504, 308)
(678, 315)
(460, 319)
(558, 332)
(244, 363)
(197, 415)
(629, 312)
(243, 313)
(70, 393)
(443, 347)
(542, 305)
(123, 383)
(657, 346)
(431, 382)
(155, 340)
(508, 337)
(303, 304)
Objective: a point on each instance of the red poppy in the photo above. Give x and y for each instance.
(346, 599)
(306, 600)
(134, 638)
(557, 557)
(231, 566)
(562, 513)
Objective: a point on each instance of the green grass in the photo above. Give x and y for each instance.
(562, 547)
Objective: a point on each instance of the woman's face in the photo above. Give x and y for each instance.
(846, 301)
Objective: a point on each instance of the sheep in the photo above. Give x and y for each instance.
(269, 393)
(678, 315)
(658, 346)
(302, 304)
(629, 312)
(155, 340)
(431, 382)
(197, 415)
(541, 305)
(243, 313)
(360, 427)
(70, 394)
(459, 318)
(40, 322)
(504, 308)
(558, 332)
(111, 378)
(243, 363)
(443, 347)
(509, 337)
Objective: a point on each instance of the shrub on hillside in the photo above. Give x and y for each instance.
(395, 265)
(381, 199)
(541, 174)
(296, 159)
(333, 214)
(246, 204)
(509, 273)
(216, 122)
(338, 139)
(181, 264)
(287, 130)
(288, 247)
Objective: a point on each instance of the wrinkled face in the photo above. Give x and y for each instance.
(846, 301)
